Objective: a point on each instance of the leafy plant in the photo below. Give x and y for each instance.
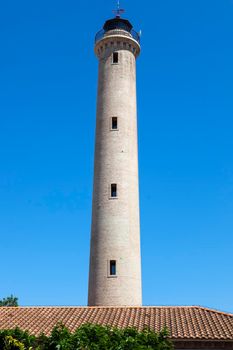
(9, 301)
(86, 337)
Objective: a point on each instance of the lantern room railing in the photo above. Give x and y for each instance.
(132, 34)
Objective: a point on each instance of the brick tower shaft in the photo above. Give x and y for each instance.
(115, 262)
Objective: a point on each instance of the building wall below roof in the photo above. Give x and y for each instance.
(200, 345)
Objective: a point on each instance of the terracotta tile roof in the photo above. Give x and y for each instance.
(187, 323)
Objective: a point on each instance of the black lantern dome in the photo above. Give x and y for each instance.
(117, 24)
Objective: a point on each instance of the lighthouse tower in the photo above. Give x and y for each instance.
(115, 262)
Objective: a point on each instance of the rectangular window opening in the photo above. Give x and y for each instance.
(112, 267)
(115, 57)
(114, 123)
(113, 190)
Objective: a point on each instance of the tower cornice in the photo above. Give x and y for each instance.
(117, 41)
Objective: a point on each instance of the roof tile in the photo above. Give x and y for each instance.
(183, 322)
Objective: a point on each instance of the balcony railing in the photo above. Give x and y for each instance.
(132, 34)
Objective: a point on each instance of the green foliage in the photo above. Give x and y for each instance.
(86, 337)
(24, 339)
(9, 301)
(11, 343)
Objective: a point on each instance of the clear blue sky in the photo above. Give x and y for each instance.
(48, 80)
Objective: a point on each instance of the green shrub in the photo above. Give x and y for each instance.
(9, 301)
(86, 337)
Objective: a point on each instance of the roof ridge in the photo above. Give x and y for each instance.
(97, 307)
(123, 307)
(216, 311)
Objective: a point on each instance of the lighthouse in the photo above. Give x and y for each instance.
(115, 260)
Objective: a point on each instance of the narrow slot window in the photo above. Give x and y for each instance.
(112, 268)
(115, 57)
(114, 123)
(113, 190)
